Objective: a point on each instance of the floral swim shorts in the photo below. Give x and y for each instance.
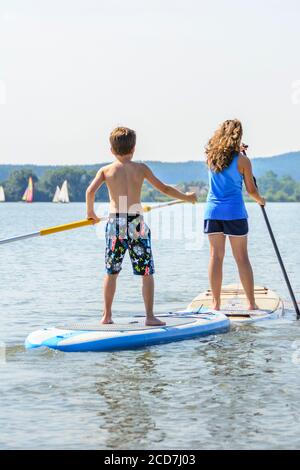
(128, 232)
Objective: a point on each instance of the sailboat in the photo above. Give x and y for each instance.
(2, 194)
(56, 194)
(61, 195)
(28, 195)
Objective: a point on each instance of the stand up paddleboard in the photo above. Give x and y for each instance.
(128, 333)
(234, 304)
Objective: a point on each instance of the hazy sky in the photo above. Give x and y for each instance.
(71, 70)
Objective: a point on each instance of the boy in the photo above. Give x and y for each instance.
(126, 228)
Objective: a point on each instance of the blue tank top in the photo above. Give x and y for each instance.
(225, 197)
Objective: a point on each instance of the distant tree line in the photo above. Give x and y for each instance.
(275, 189)
(45, 186)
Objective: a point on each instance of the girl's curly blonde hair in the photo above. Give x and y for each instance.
(225, 142)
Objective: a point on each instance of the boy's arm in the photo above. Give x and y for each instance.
(90, 195)
(249, 180)
(166, 188)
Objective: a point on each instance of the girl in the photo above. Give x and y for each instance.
(225, 212)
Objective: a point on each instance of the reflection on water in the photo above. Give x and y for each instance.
(127, 417)
(236, 390)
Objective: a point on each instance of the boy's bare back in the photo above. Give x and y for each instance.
(124, 182)
(124, 179)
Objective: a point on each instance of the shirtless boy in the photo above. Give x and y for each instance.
(126, 229)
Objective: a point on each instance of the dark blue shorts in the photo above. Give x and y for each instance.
(232, 228)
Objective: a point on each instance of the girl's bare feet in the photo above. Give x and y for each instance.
(253, 306)
(153, 321)
(105, 320)
(216, 306)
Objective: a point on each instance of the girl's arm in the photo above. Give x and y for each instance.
(90, 195)
(166, 188)
(245, 167)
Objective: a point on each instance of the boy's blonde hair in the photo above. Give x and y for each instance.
(122, 140)
(225, 142)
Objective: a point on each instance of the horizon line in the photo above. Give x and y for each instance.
(144, 161)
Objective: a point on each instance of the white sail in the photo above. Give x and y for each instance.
(64, 193)
(2, 194)
(56, 195)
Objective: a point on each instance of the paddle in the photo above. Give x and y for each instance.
(286, 278)
(160, 206)
(279, 258)
(50, 230)
(73, 225)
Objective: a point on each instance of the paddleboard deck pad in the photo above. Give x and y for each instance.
(234, 304)
(128, 333)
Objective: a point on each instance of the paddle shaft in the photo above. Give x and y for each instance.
(73, 225)
(286, 278)
(280, 261)
(49, 231)
(161, 206)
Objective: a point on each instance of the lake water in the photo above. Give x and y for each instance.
(238, 390)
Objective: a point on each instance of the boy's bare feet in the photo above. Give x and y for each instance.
(153, 321)
(106, 320)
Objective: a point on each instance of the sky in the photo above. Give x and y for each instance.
(72, 70)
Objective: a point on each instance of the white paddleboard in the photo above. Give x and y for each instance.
(127, 333)
(234, 304)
